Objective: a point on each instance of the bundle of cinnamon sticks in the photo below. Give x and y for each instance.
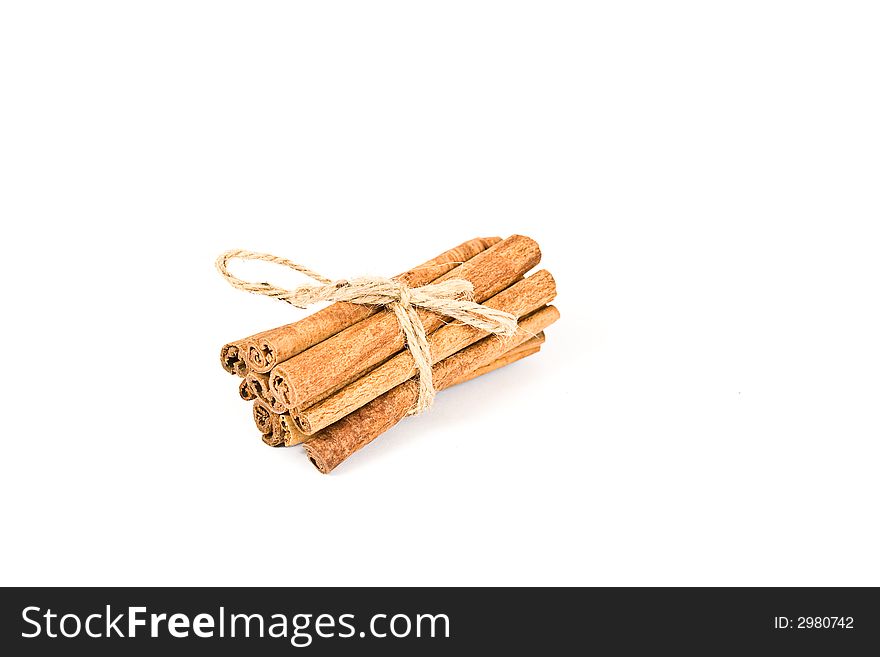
(342, 376)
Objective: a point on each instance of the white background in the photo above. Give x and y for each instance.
(702, 177)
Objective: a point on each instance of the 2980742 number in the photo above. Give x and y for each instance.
(824, 622)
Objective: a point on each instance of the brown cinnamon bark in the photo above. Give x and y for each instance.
(258, 384)
(519, 299)
(291, 435)
(330, 446)
(264, 417)
(273, 440)
(265, 350)
(527, 348)
(330, 364)
(277, 429)
(288, 431)
(232, 358)
(245, 392)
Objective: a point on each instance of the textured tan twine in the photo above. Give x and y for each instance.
(451, 298)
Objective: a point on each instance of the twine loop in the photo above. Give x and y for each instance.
(451, 298)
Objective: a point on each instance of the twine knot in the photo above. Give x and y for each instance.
(451, 298)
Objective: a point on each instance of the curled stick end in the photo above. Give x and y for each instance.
(231, 359)
(245, 391)
(260, 356)
(280, 388)
(302, 423)
(317, 461)
(262, 418)
(272, 440)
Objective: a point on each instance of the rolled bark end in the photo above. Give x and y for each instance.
(255, 385)
(290, 434)
(280, 389)
(302, 423)
(263, 418)
(245, 392)
(260, 388)
(318, 462)
(231, 358)
(272, 440)
(285, 430)
(260, 356)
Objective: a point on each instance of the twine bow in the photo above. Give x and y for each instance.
(452, 298)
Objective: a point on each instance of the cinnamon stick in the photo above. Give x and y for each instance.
(245, 392)
(519, 299)
(263, 351)
(272, 440)
(277, 429)
(232, 358)
(258, 384)
(332, 445)
(291, 435)
(264, 417)
(527, 348)
(329, 365)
